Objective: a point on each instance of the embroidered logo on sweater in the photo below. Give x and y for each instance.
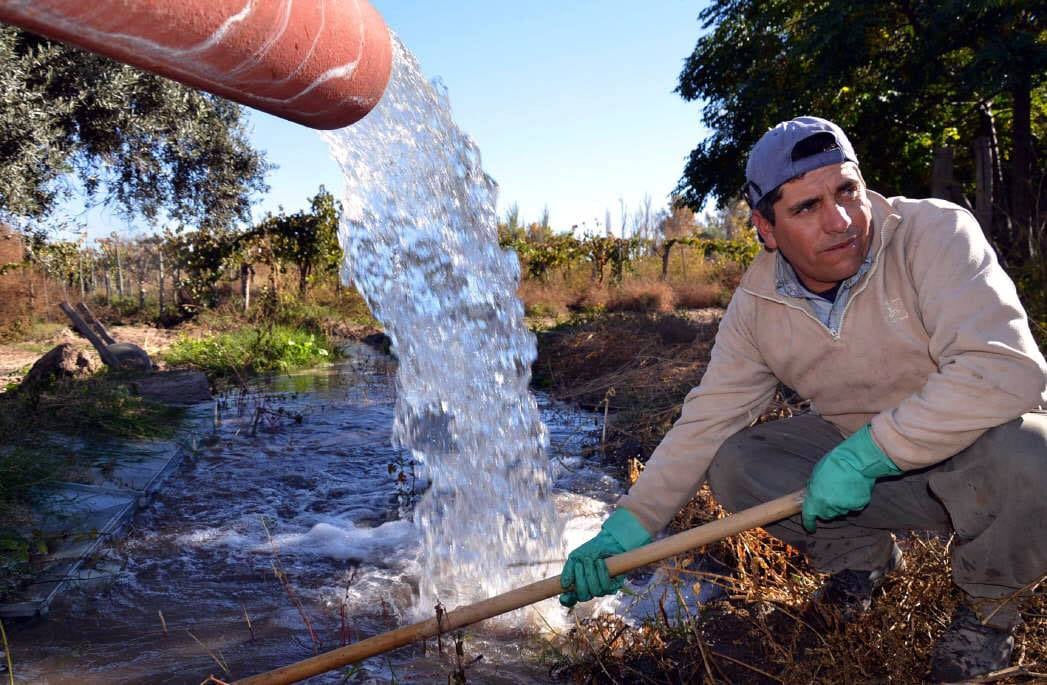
(896, 310)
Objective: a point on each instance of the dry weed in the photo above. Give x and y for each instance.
(642, 296)
(544, 299)
(698, 295)
(768, 629)
(593, 296)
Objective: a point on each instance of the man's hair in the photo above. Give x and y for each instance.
(766, 205)
(808, 147)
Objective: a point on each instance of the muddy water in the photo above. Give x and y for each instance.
(297, 480)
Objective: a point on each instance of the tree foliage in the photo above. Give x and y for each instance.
(562, 251)
(199, 258)
(308, 239)
(901, 76)
(140, 142)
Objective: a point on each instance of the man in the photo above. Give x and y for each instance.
(895, 319)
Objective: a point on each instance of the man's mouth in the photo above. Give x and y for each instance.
(842, 245)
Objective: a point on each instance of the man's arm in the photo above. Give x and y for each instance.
(735, 389)
(989, 367)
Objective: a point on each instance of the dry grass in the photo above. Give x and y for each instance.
(699, 295)
(692, 282)
(642, 296)
(765, 629)
(544, 299)
(592, 297)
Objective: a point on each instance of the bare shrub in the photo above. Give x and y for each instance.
(593, 296)
(642, 296)
(728, 274)
(696, 295)
(544, 299)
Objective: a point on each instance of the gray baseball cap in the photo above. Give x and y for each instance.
(775, 158)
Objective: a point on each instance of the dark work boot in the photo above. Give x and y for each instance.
(851, 592)
(968, 649)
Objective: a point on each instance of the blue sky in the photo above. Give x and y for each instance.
(571, 103)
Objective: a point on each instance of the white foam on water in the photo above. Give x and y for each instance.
(344, 540)
(202, 538)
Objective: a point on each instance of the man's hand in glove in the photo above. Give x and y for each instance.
(842, 481)
(584, 575)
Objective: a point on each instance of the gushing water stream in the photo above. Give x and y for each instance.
(421, 245)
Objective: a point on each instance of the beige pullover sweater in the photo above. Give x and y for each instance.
(934, 348)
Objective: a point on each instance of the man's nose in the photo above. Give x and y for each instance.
(837, 220)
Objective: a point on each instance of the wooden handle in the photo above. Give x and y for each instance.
(760, 515)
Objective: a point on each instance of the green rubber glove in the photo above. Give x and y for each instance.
(584, 575)
(843, 479)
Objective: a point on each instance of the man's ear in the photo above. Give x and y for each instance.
(766, 230)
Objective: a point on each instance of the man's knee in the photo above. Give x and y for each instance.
(1002, 476)
(1018, 450)
(766, 461)
(728, 474)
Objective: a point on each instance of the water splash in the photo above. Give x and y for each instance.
(420, 238)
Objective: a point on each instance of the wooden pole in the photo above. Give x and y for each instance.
(94, 323)
(942, 173)
(160, 278)
(983, 182)
(84, 329)
(760, 515)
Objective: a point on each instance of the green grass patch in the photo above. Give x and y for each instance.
(251, 350)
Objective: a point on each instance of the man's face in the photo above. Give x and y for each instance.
(822, 225)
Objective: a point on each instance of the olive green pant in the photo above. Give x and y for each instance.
(993, 495)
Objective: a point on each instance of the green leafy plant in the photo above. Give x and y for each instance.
(251, 350)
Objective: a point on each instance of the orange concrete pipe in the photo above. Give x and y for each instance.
(321, 63)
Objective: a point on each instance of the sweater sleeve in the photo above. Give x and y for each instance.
(736, 387)
(990, 369)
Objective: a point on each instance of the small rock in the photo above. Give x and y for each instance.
(131, 357)
(381, 342)
(63, 361)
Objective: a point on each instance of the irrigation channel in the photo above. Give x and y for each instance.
(297, 480)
